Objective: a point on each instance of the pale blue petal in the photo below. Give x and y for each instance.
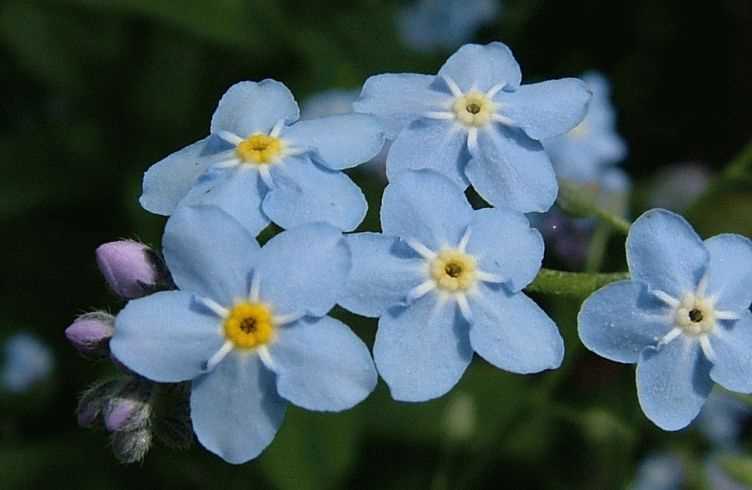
(673, 382)
(732, 347)
(547, 108)
(664, 252)
(383, 271)
(429, 143)
(305, 192)
(303, 270)
(481, 67)
(237, 191)
(513, 171)
(425, 206)
(503, 243)
(422, 350)
(235, 409)
(512, 332)
(730, 271)
(166, 337)
(322, 365)
(399, 98)
(254, 107)
(620, 320)
(340, 141)
(209, 253)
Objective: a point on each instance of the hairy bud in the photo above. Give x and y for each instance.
(130, 268)
(90, 334)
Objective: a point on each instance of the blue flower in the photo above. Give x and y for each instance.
(475, 123)
(583, 153)
(662, 471)
(721, 419)
(426, 25)
(684, 317)
(328, 103)
(27, 362)
(446, 280)
(248, 327)
(259, 167)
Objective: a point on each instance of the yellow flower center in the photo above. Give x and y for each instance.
(474, 109)
(249, 325)
(453, 270)
(259, 149)
(695, 315)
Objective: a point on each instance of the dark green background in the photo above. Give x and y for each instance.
(95, 91)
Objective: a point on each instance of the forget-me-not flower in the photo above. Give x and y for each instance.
(661, 471)
(474, 122)
(425, 25)
(248, 327)
(26, 362)
(260, 166)
(446, 280)
(684, 318)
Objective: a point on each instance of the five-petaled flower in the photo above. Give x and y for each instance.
(248, 327)
(445, 281)
(474, 122)
(684, 317)
(259, 167)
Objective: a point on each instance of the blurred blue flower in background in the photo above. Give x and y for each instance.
(721, 419)
(679, 185)
(26, 362)
(259, 167)
(684, 318)
(248, 327)
(446, 280)
(475, 123)
(328, 103)
(662, 471)
(426, 25)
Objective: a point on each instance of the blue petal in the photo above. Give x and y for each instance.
(434, 144)
(732, 347)
(251, 107)
(304, 270)
(422, 350)
(425, 206)
(511, 170)
(504, 244)
(479, 67)
(322, 365)
(166, 337)
(237, 191)
(235, 409)
(169, 180)
(399, 99)
(673, 382)
(209, 253)
(730, 271)
(304, 192)
(511, 332)
(382, 274)
(620, 320)
(664, 252)
(340, 141)
(547, 108)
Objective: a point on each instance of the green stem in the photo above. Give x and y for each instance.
(580, 201)
(574, 284)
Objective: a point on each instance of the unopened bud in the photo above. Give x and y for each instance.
(92, 402)
(130, 409)
(130, 268)
(131, 446)
(90, 334)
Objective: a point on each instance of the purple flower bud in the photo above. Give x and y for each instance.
(130, 268)
(90, 334)
(130, 409)
(93, 400)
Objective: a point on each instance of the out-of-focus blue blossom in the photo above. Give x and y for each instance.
(684, 318)
(662, 471)
(248, 327)
(583, 153)
(476, 124)
(425, 25)
(677, 186)
(26, 362)
(721, 419)
(328, 103)
(259, 165)
(446, 281)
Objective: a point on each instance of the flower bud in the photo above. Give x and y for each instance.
(130, 268)
(93, 400)
(90, 334)
(130, 409)
(131, 446)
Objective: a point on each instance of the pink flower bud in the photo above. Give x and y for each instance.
(131, 269)
(90, 334)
